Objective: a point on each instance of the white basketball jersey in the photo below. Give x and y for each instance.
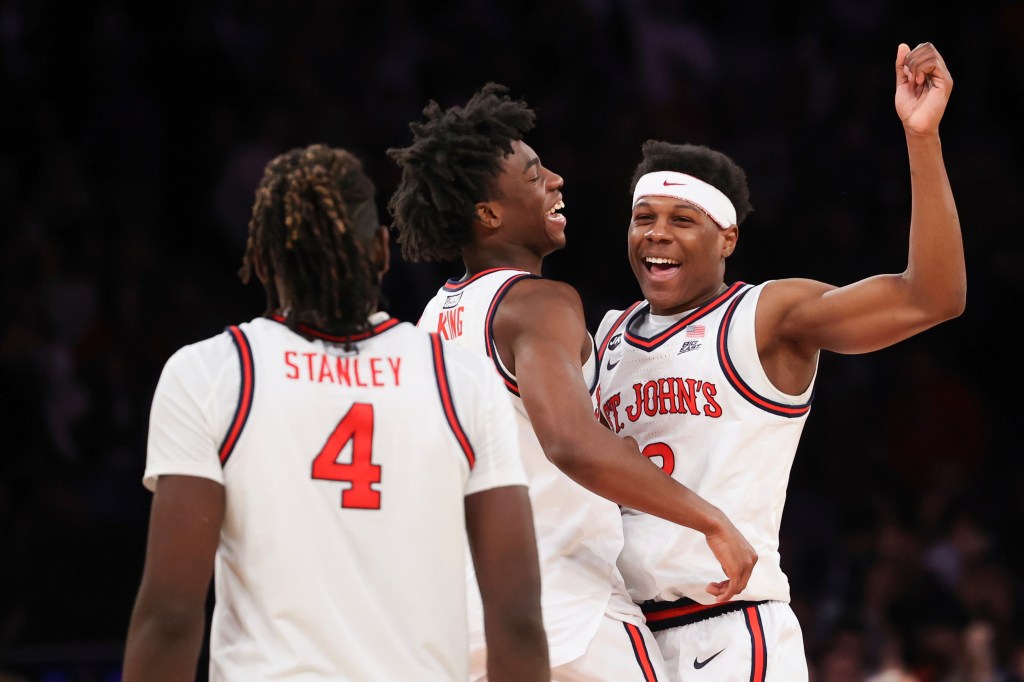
(579, 534)
(697, 401)
(342, 551)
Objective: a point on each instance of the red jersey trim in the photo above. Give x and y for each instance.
(652, 343)
(758, 645)
(611, 332)
(736, 381)
(643, 656)
(459, 285)
(309, 330)
(444, 391)
(492, 352)
(245, 393)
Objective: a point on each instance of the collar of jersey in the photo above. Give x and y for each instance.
(457, 284)
(653, 342)
(380, 320)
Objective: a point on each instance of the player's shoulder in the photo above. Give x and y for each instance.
(540, 295)
(466, 367)
(212, 354)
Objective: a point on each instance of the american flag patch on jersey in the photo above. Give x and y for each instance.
(695, 331)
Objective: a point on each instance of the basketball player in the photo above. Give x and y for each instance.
(471, 188)
(715, 380)
(330, 462)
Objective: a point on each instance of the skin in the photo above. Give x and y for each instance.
(166, 629)
(797, 318)
(541, 336)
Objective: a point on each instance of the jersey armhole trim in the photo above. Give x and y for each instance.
(736, 381)
(444, 391)
(245, 393)
(492, 352)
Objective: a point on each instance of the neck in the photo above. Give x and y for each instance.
(478, 259)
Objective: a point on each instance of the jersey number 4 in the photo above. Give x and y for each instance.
(355, 427)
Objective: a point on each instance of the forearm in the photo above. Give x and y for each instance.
(936, 270)
(516, 649)
(614, 469)
(162, 649)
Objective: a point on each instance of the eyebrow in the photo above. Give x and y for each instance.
(535, 161)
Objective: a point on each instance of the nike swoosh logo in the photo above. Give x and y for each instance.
(611, 365)
(697, 665)
(674, 184)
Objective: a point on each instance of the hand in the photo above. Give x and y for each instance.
(923, 85)
(735, 555)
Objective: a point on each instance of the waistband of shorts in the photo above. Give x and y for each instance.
(662, 615)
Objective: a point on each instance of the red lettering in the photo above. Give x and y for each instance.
(662, 450)
(309, 362)
(651, 398)
(687, 395)
(325, 370)
(375, 372)
(449, 323)
(355, 372)
(666, 405)
(341, 367)
(712, 409)
(633, 411)
(611, 411)
(395, 364)
(289, 355)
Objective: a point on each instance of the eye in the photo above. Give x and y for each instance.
(536, 179)
(641, 217)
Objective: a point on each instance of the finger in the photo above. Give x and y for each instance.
(716, 589)
(902, 72)
(731, 590)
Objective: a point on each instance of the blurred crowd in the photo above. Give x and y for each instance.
(134, 137)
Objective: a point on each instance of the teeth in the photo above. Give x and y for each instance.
(660, 261)
(557, 207)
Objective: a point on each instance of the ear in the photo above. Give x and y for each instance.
(730, 236)
(381, 250)
(260, 267)
(488, 214)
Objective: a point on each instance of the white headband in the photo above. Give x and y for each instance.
(688, 188)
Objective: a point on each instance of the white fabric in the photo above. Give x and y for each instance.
(704, 196)
(731, 452)
(688, 646)
(307, 589)
(579, 534)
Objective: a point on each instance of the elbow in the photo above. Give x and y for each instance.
(953, 305)
(564, 455)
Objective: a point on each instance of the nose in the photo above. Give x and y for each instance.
(656, 232)
(555, 181)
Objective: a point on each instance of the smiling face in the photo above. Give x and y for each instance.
(526, 202)
(677, 253)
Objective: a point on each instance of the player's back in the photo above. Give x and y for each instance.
(343, 545)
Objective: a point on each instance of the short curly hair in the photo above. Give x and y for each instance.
(713, 167)
(452, 164)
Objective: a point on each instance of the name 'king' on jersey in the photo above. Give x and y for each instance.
(691, 390)
(579, 534)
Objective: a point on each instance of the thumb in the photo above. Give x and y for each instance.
(901, 54)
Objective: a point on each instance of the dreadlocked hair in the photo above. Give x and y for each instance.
(312, 225)
(713, 167)
(452, 164)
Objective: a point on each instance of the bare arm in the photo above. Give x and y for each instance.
(501, 538)
(799, 317)
(166, 628)
(541, 334)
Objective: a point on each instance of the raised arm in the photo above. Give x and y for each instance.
(166, 630)
(542, 336)
(799, 317)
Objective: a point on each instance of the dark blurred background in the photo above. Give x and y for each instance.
(134, 135)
